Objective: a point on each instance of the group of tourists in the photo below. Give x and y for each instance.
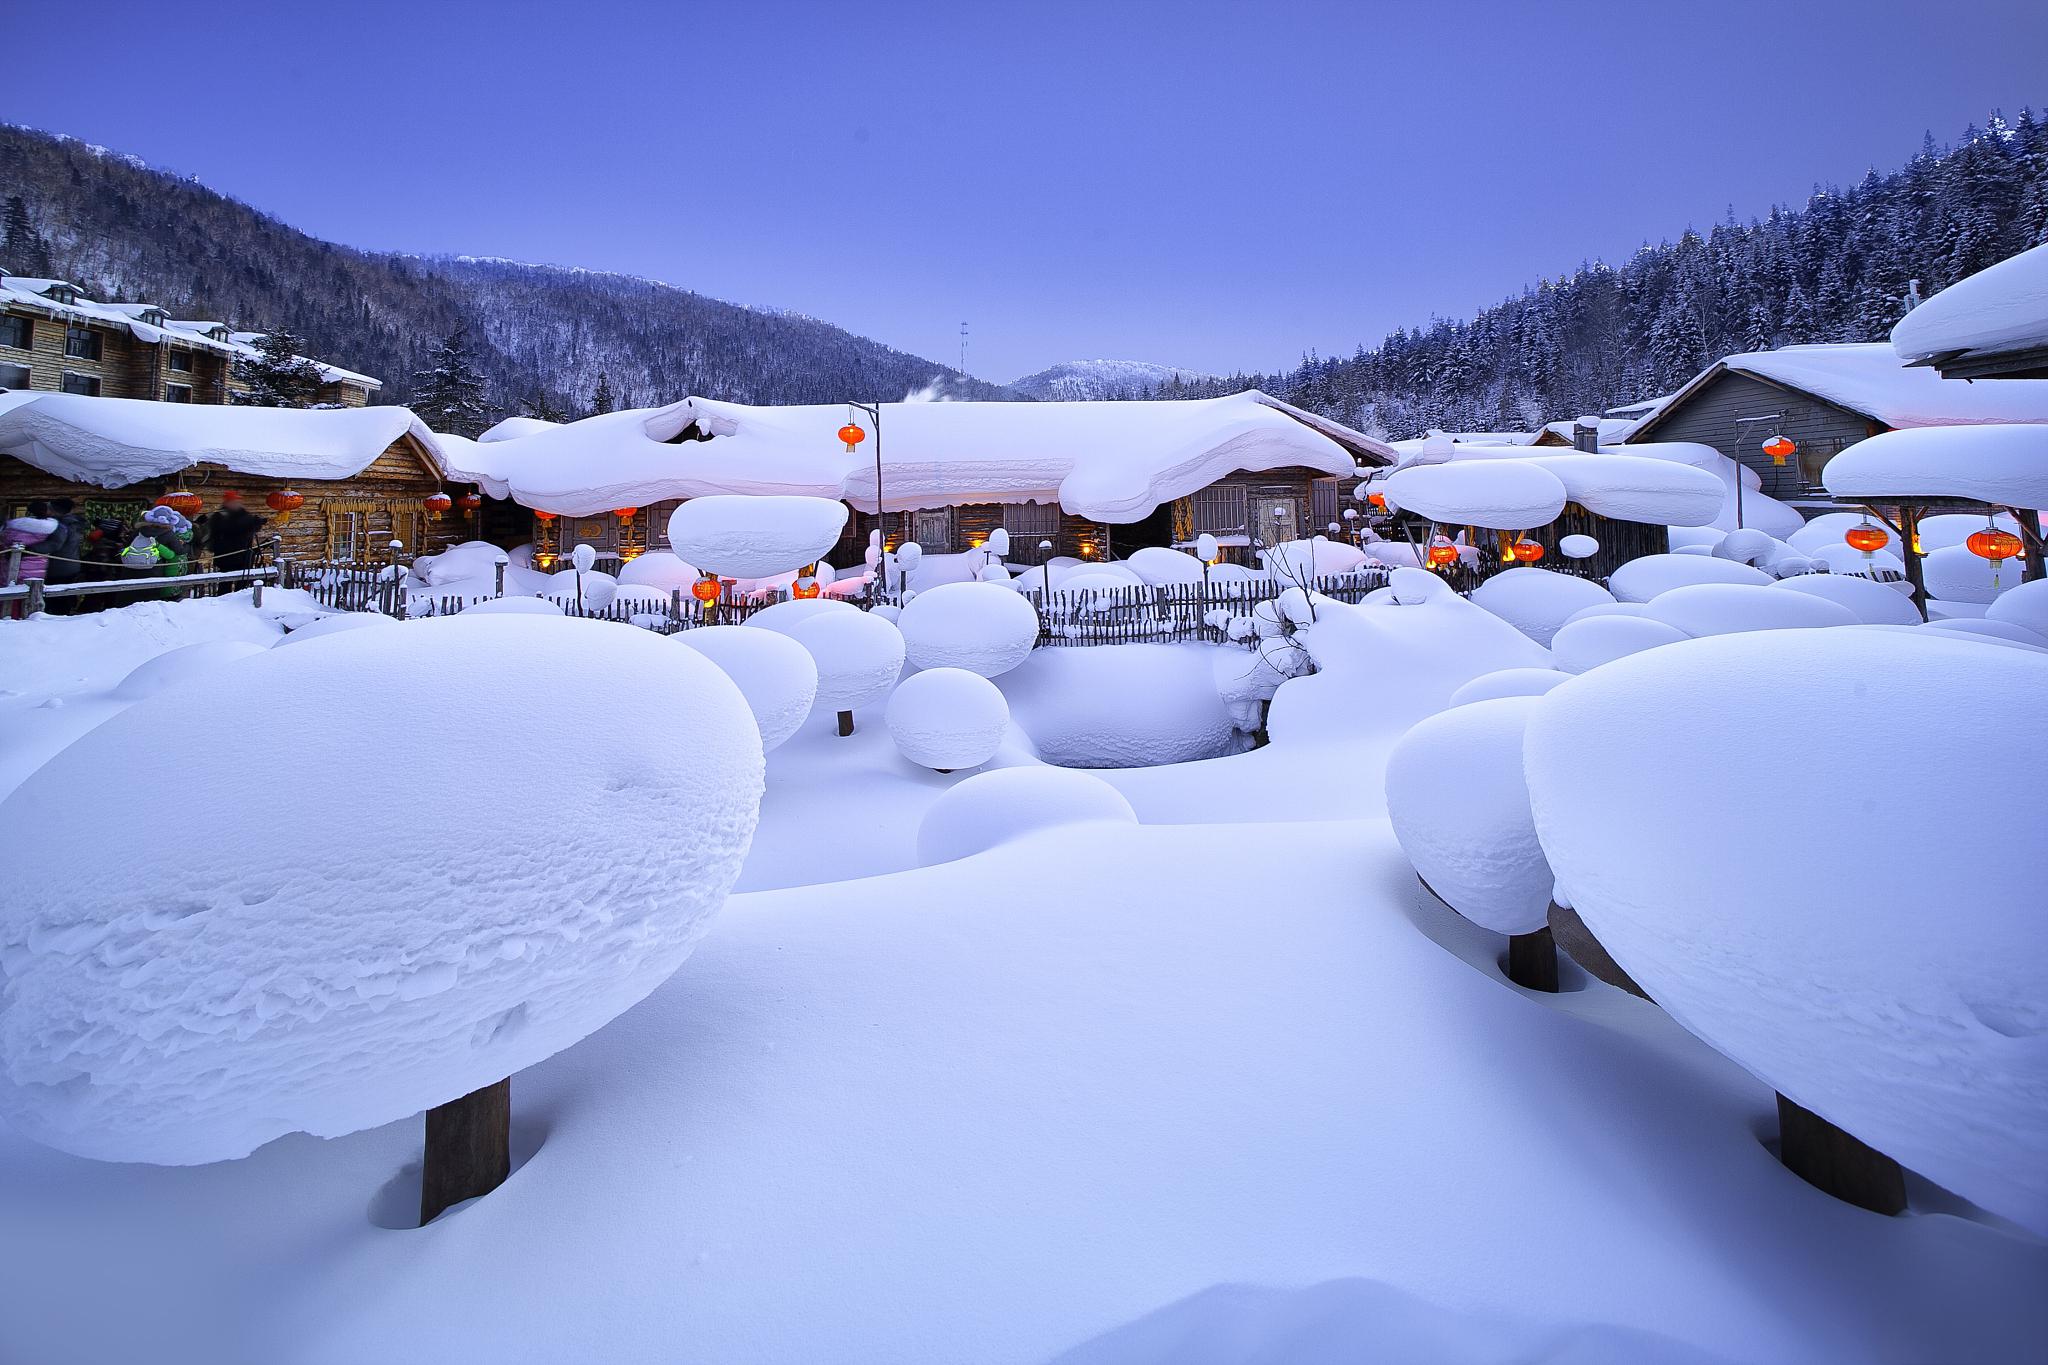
(59, 544)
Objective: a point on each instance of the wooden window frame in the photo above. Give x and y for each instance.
(13, 324)
(89, 384)
(6, 378)
(1033, 521)
(173, 389)
(78, 338)
(181, 361)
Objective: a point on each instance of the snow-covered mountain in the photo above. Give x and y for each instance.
(1073, 380)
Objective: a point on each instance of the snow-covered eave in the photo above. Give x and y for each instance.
(1715, 371)
(2012, 362)
(1361, 446)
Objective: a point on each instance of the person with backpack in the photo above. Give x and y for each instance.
(31, 533)
(233, 533)
(65, 550)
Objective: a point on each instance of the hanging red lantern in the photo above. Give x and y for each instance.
(470, 502)
(1378, 500)
(852, 435)
(1994, 544)
(804, 588)
(1866, 537)
(705, 589)
(284, 502)
(1527, 551)
(543, 517)
(183, 501)
(1441, 553)
(1780, 449)
(626, 514)
(436, 504)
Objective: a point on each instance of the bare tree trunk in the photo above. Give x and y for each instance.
(1837, 1162)
(468, 1149)
(845, 724)
(1532, 960)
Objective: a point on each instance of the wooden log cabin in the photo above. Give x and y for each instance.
(365, 474)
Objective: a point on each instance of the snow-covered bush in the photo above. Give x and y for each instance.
(592, 589)
(176, 666)
(1578, 546)
(773, 672)
(740, 536)
(1158, 565)
(660, 570)
(1592, 641)
(1509, 682)
(785, 617)
(1726, 608)
(859, 657)
(1460, 807)
(2023, 604)
(1639, 580)
(947, 718)
(980, 627)
(1871, 603)
(1896, 996)
(1122, 706)
(469, 561)
(1538, 601)
(1955, 575)
(990, 809)
(177, 1009)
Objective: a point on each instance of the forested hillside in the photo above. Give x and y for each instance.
(1837, 269)
(123, 230)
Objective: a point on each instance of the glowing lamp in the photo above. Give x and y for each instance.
(543, 517)
(804, 588)
(1441, 553)
(284, 502)
(626, 514)
(1526, 551)
(436, 504)
(183, 501)
(1780, 449)
(470, 502)
(705, 589)
(1866, 538)
(1378, 500)
(852, 435)
(1993, 544)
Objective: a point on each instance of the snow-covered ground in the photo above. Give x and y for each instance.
(1222, 1085)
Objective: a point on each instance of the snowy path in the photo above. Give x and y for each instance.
(998, 1109)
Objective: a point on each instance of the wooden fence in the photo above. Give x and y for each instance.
(1174, 612)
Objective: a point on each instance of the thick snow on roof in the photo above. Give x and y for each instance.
(114, 442)
(1869, 377)
(1108, 461)
(513, 428)
(2003, 308)
(2006, 465)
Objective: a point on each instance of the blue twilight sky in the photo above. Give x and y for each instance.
(1212, 185)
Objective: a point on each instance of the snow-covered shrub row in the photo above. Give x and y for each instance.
(178, 1009)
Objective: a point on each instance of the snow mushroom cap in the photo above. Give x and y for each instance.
(1578, 547)
(1725, 608)
(1592, 641)
(858, 654)
(1538, 601)
(659, 569)
(993, 808)
(1460, 808)
(985, 628)
(755, 536)
(785, 617)
(179, 1010)
(1509, 682)
(1639, 580)
(948, 718)
(773, 672)
(1877, 990)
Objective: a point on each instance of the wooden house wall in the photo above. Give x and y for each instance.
(384, 500)
(1620, 541)
(1711, 416)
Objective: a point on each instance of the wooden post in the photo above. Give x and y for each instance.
(1532, 960)
(468, 1148)
(845, 724)
(1909, 533)
(498, 578)
(13, 567)
(1837, 1162)
(35, 596)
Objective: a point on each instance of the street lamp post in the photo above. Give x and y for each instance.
(874, 415)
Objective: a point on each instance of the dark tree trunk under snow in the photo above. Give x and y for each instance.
(1532, 960)
(468, 1149)
(1837, 1162)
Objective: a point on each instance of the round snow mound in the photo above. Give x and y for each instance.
(1460, 808)
(1898, 997)
(1158, 565)
(1639, 580)
(785, 617)
(660, 570)
(1508, 682)
(2023, 604)
(1578, 547)
(1873, 604)
(994, 808)
(1123, 706)
(512, 606)
(1538, 601)
(1955, 575)
(773, 672)
(176, 666)
(742, 536)
(339, 624)
(179, 1009)
(858, 654)
(596, 589)
(948, 718)
(980, 627)
(1727, 608)
(1595, 640)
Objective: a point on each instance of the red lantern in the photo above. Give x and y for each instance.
(705, 589)
(804, 588)
(1994, 544)
(470, 502)
(1441, 553)
(626, 514)
(1780, 449)
(1378, 500)
(852, 435)
(183, 501)
(1527, 551)
(284, 502)
(436, 504)
(543, 517)
(1866, 538)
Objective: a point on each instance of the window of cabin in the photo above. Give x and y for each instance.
(13, 376)
(81, 343)
(19, 333)
(177, 393)
(86, 384)
(1814, 456)
(1030, 522)
(1220, 509)
(181, 361)
(58, 293)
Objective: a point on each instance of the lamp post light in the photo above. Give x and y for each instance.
(1045, 549)
(853, 436)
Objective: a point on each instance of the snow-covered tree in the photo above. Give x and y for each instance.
(541, 408)
(24, 248)
(449, 396)
(277, 376)
(601, 400)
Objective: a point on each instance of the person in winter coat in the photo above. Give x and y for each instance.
(31, 533)
(170, 531)
(102, 556)
(65, 550)
(233, 533)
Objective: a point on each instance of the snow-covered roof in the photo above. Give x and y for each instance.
(2006, 465)
(114, 442)
(135, 319)
(1639, 409)
(514, 427)
(1612, 429)
(2000, 310)
(1108, 461)
(1870, 379)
